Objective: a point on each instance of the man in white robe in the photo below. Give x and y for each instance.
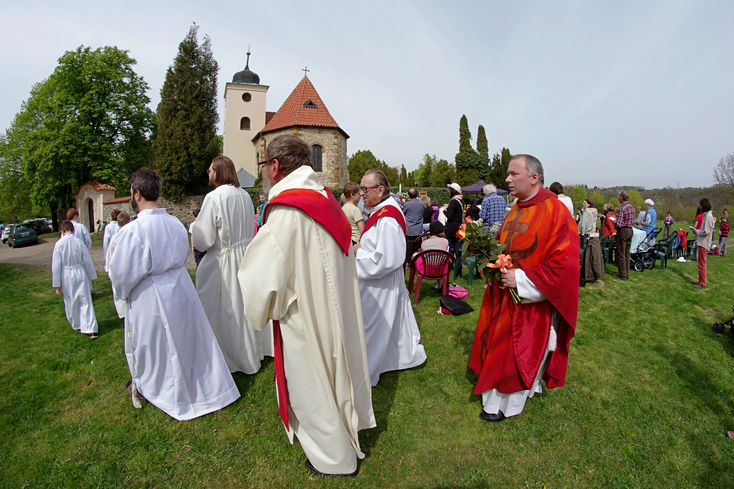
(299, 271)
(72, 271)
(109, 231)
(174, 358)
(223, 229)
(390, 329)
(80, 230)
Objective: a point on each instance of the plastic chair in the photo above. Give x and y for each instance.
(436, 265)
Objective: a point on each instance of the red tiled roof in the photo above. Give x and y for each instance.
(268, 116)
(298, 110)
(99, 187)
(117, 200)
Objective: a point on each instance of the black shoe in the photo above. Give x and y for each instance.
(492, 418)
(314, 470)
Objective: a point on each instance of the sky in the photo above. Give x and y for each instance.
(603, 93)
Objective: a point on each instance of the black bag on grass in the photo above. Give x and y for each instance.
(454, 305)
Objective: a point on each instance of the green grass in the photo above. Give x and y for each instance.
(649, 396)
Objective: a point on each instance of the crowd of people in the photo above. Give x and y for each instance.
(320, 287)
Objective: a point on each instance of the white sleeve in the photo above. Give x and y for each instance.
(526, 288)
(382, 251)
(56, 268)
(204, 228)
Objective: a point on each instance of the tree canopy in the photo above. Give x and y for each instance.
(88, 120)
(363, 160)
(724, 170)
(186, 139)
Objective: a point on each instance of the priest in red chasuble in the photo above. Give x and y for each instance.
(517, 345)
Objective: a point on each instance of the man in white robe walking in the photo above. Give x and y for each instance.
(72, 272)
(174, 358)
(390, 329)
(223, 229)
(299, 271)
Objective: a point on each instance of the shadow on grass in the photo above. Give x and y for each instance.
(383, 396)
(698, 382)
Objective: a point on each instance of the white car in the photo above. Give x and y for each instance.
(6, 233)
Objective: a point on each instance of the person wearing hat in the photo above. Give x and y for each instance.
(651, 217)
(454, 219)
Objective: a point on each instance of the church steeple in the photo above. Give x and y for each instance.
(246, 75)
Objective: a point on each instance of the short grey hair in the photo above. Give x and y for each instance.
(532, 165)
(380, 179)
(489, 189)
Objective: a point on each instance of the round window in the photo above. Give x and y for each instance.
(246, 96)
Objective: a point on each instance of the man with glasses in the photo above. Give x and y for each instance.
(299, 271)
(390, 329)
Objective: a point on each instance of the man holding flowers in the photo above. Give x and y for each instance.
(518, 342)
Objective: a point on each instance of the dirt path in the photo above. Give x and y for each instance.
(40, 254)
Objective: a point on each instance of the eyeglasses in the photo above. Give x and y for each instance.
(261, 164)
(364, 190)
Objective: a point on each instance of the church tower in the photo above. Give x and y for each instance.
(244, 117)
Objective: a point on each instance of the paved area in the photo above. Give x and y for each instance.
(40, 254)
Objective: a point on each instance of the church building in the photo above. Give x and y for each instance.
(248, 127)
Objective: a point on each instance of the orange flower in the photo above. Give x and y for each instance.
(461, 234)
(468, 219)
(462, 227)
(503, 263)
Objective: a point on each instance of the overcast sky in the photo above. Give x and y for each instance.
(603, 93)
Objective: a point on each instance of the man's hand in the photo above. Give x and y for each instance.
(58, 290)
(356, 247)
(508, 278)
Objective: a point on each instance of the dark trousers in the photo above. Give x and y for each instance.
(624, 240)
(410, 247)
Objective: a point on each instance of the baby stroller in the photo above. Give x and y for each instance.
(642, 256)
(719, 327)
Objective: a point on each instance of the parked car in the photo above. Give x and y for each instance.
(40, 226)
(6, 233)
(21, 234)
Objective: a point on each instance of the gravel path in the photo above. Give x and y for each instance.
(40, 254)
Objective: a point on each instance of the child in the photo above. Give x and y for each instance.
(73, 271)
(723, 234)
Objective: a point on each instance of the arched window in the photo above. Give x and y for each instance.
(246, 96)
(245, 124)
(316, 150)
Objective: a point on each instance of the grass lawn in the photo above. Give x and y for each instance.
(648, 399)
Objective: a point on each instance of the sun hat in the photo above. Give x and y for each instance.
(454, 186)
(649, 202)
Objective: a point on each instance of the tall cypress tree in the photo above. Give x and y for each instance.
(467, 159)
(186, 138)
(483, 150)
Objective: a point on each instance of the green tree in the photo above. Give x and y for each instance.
(442, 174)
(186, 139)
(483, 150)
(363, 160)
(467, 158)
(423, 173)
(635, 198)
(89, 120)
(597, 198)
(498, 169)
(577, 194)
(404, 181)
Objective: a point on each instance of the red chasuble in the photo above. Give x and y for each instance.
(511, 339)
(386, 211)
(327, 212)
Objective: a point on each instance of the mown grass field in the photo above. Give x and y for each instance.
(648, 399)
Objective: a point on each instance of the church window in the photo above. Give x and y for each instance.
(246, 96)
(316, 150)
(245, 124)
(310, 105)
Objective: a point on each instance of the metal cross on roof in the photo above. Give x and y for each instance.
(305, 70)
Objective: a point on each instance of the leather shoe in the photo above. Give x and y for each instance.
(699, 286)
(492, 418)
(316, 471)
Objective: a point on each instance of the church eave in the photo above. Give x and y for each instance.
(277, 129)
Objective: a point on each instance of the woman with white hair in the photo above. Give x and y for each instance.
(493, 207)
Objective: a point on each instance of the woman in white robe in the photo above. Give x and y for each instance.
(223, 229)
(73, 271)
(390, 328)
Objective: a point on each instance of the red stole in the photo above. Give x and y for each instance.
(327, 212)
(386, 211)
(510, 340)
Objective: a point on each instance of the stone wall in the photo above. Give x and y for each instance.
(334, 172)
